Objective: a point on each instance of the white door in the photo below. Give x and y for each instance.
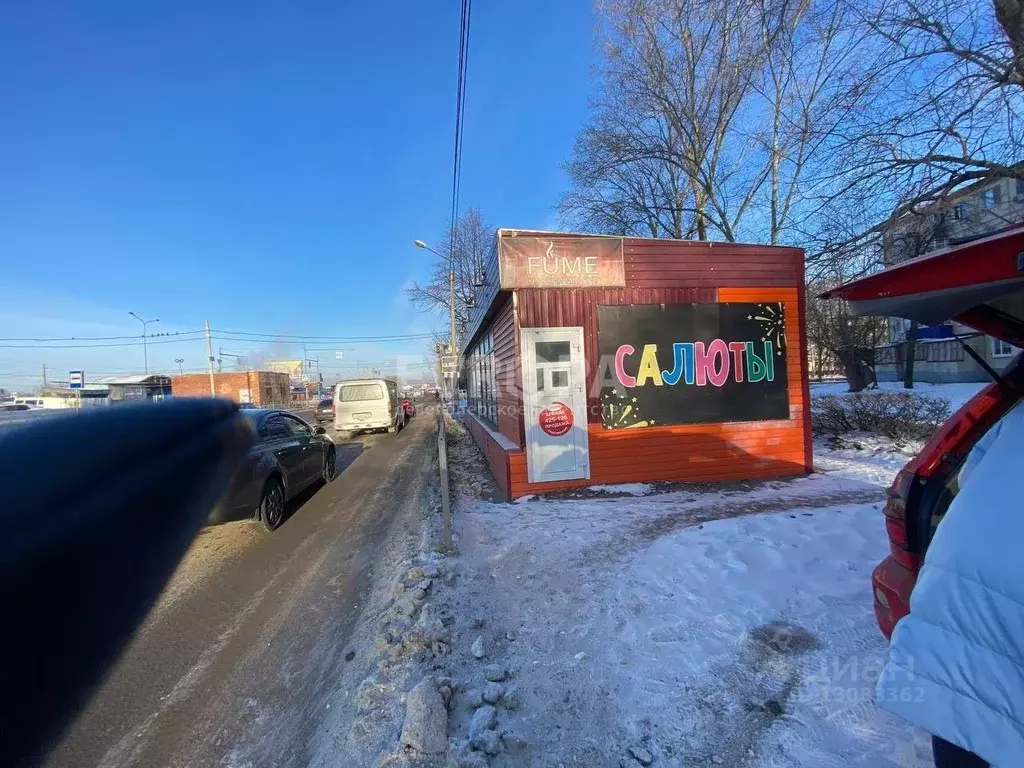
(554, 393)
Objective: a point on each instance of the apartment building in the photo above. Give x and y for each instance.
(971, 213)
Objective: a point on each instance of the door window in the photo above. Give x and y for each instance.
(274, 429)
(552, 351)
(297, 427)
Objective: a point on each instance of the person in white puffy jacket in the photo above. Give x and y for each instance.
(956, 662)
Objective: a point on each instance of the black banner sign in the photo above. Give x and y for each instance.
(692, 363)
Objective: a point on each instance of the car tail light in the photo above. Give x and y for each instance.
(895, 512)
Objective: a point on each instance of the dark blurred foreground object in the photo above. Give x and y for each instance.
(96, 511)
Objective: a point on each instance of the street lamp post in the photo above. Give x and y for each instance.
(451, 305)
(179, 361)
(145, 352)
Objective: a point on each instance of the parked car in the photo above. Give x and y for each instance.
(367, 404)
(288, 456)
(324, 411)
(410, 408)
(979, 285)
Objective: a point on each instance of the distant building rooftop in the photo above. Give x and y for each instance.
(140, 378)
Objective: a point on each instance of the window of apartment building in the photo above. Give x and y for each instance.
(991, 197)
(962, 210)
(1020, 187)
(1001, 349)
(483, 392)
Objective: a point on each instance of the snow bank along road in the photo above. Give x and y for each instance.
(237, 662)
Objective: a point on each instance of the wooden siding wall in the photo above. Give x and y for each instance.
(666, 272)
(539, 308)
(507, 372)
(670, 263)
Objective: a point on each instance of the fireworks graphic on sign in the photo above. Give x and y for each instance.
(772, 319)
(621, 411)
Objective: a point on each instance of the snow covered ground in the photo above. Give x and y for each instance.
(712, 625)
(957, 394)
(867, 457)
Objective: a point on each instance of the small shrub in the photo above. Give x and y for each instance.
(901, 416)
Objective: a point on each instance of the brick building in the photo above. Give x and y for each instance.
(258, 387)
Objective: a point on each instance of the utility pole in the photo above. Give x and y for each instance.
(450, 258)
(44, 374)
(145, 352)
(209, 359)
(451, 318)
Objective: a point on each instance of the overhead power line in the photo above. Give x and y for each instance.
(235, 337)
(300, 337)
(100, 338)
(94, 346)
(460, 111)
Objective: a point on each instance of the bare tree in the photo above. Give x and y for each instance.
(617, 190)
(709, 115)
(908, 236)
(945, 81)
(837, 337)
(468, 246)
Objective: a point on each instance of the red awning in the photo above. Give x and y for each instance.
(939, 286)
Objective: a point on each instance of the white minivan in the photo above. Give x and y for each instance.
(365, 404)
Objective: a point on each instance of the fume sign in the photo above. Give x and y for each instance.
(560, 262)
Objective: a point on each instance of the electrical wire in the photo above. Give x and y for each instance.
(95, 346)
(300, 337)
(464, 67)
(460, 110)
(237, 337)
(101, 338)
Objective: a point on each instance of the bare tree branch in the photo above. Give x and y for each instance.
(469, 246)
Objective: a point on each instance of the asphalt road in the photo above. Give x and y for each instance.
(237, 660)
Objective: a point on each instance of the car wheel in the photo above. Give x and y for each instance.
(272, 504)
(329, 466)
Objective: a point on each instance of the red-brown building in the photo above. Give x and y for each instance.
(596, 360)
(257, 387)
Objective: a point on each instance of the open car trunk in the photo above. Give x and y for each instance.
(980, 285)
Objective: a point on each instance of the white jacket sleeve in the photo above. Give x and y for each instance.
(956, 664)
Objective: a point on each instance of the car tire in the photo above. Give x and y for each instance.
(330, 467)
(272, 504)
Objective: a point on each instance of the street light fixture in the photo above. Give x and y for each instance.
(179, 361)
(451, 300)
(145, 352)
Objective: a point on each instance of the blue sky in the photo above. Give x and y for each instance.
(262, 165)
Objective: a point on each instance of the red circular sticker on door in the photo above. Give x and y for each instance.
(556, 419)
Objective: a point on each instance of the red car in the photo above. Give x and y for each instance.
(410, 409)
(980, 285)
